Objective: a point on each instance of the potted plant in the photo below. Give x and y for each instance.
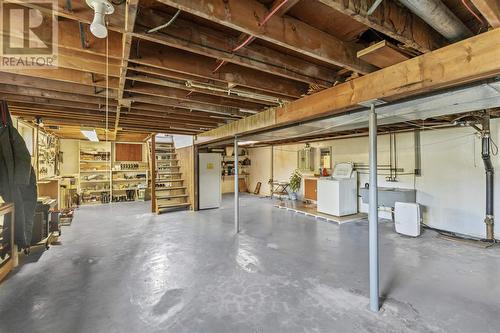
(295, 180)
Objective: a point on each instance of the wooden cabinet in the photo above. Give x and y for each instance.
(310, 189)
(128, 152)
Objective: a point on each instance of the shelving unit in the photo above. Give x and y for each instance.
(95, 172)
(244, 164)
(46, 155)
(130, 181)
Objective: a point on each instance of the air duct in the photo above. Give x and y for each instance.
(439, 17)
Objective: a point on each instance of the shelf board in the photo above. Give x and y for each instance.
(129, 180)
(93, 171)
(133, 171)
(94, 191)
(95, 181)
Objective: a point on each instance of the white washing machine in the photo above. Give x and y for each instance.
(338, 194)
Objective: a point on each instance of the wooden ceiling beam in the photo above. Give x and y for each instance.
(130, 17)
(174, 93)
(217, 91)
(175, 117)
(43, 83)
(85, 117)
(66, 75)
(202, 40)
(245, 16)
(189, 105)
(168, 74)
(50, 94)
(51, 102)
(393, 20)
(464, 62)
(151, 54)
(180, 111)
(490, 9)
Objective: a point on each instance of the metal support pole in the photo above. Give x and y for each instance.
(373, 214)
(236, 189)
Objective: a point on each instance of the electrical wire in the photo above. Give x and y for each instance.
(474, 14)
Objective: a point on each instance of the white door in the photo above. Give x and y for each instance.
(209, 180)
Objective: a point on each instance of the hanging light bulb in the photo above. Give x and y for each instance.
(101, 9)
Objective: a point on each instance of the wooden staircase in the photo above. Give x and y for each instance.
(170, 190)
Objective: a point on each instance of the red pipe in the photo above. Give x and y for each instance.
(219, 66)
(245, 43)
(473, 13)
(272, 12)
(250, 38)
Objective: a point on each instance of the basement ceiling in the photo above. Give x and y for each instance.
(421, 112)
(204, 70)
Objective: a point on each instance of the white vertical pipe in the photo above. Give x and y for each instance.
(373, 214)
(236, 189)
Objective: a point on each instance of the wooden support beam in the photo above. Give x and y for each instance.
(168, 74)
(283, 9)
(188, 63)
(490, 9)
(130, 17)
(174, 93)
(41, 101)
(152, 159)
(189, 36)
(382, 54)
(393, 20)
(180, 111)
(464, 62)
(287, 32)
(43, 83)
(189, 105)
(65, 75)
(221, 92)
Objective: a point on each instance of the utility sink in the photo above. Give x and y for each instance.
(388, 196)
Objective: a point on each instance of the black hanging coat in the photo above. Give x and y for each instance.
(17, 178)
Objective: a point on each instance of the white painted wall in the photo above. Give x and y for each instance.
(260, 169)
(181, 141)
(70, 157)
(451, 188)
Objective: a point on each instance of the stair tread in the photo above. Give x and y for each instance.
(169, 180)
(171, 205)
(173, 196)
(171, 188)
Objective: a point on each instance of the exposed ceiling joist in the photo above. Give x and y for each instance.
(199, 66)
(490, 9)
(286, 32)
(130, 17)
(466, 61)
(393, 20)
(210, 42)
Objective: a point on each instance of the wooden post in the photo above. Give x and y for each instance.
(153, 173)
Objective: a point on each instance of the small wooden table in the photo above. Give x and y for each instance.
(8, 263)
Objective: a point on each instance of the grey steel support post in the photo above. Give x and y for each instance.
(236, 189)
(373, 214)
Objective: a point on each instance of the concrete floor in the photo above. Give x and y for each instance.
(120, 269)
